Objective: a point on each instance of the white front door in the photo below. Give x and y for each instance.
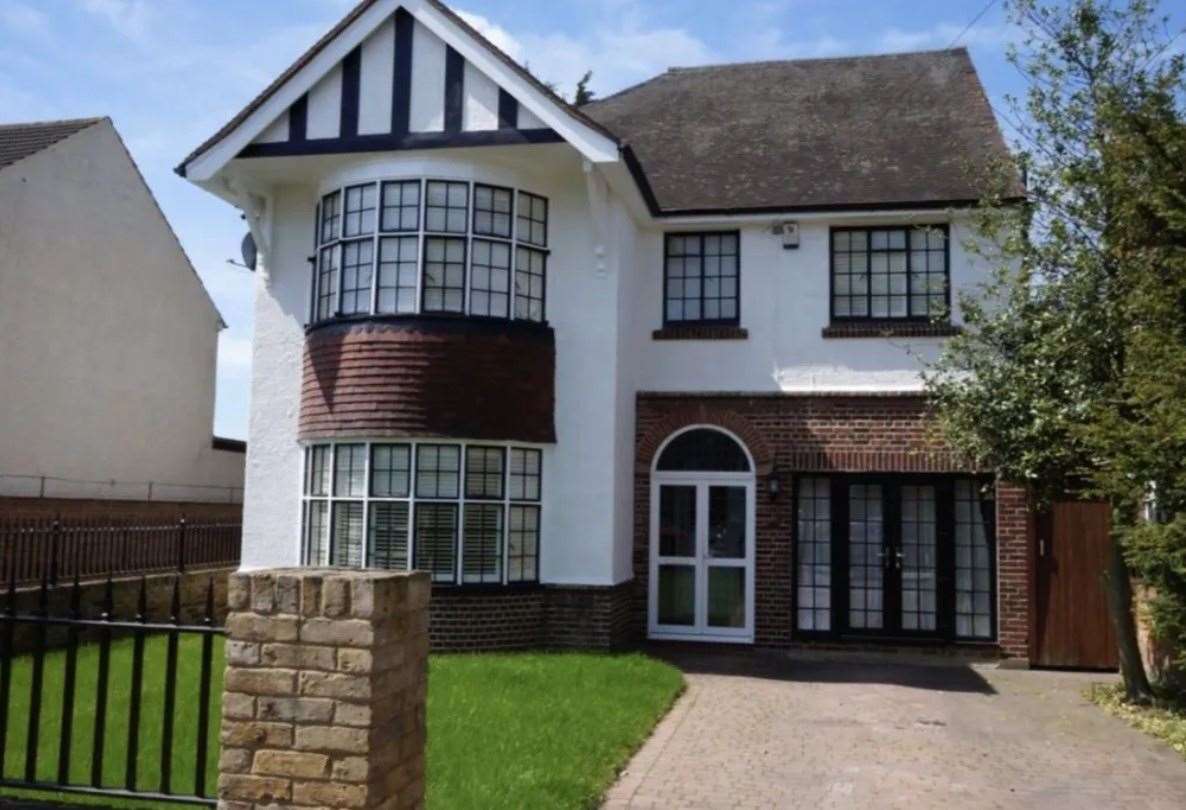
(702, 557)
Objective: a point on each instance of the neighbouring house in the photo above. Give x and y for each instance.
(647, 368)
(110, 339)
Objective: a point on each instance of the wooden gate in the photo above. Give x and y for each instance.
(1070, 626)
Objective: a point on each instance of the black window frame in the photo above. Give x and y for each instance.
(667, 256)
(543, 255)
(945, 592)
(869, 317)
(447, 207)
(474, 210)
(531, 199)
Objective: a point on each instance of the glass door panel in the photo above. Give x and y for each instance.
(726, 522)
(726, 596)
(677, 521)
(916, 558)
(866, 550)
(677, 595)
(703, 557)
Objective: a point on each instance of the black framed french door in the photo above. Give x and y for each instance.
(895, 556)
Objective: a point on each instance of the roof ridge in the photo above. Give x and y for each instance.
(55, 122)
(845, 58)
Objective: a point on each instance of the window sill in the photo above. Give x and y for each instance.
(884, 329)
(691, 332)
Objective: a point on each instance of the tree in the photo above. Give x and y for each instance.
(1049, 361)
(583, 94)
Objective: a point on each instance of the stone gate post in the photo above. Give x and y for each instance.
(324, 698)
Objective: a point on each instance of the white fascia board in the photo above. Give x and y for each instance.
(210, 162)
(593, 145)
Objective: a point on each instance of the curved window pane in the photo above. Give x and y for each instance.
(704, 450)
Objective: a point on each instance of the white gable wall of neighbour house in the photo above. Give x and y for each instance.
(109, 359)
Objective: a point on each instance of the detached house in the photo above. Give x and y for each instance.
(648, 368)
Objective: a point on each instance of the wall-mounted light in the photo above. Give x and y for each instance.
(774, 483)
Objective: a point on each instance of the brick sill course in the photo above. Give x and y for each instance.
(700, 333)
(880, 329)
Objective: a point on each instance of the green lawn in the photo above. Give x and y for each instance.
(523, 730)
(538, 730)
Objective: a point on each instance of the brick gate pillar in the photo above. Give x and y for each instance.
(324, 698)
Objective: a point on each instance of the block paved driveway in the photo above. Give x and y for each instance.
(759, 730)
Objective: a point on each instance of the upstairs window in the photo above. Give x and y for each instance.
(701, 278)
(895, 274)
(402, 247)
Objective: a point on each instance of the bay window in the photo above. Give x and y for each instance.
(402, 247)
(467, 513)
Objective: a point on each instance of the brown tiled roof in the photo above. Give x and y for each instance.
(906, 129)
(18, 141)
(344, 23)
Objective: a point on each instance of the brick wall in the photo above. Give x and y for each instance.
(401, 378)
(1014, 561)
(818, 434)
(572, 616)
(325, 689)
(506, 619)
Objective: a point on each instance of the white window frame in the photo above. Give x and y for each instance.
(507, 502)
(422, 233)
(700, 630)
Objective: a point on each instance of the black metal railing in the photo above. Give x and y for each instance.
(110, 652)
(32, 549)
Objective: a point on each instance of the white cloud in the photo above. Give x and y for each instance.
(133, 19)
(620, 49)
(501, 37)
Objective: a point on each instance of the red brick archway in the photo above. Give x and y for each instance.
(708, 415)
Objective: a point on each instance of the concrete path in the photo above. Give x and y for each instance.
(788, 731)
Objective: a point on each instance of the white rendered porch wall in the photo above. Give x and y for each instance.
(583, 507)
(784, 307)
(272, 492)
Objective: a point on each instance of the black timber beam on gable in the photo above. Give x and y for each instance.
(351, 81)
(401, 85)
(408, 140)
(298, 117)
(454, 89)
(508, 110)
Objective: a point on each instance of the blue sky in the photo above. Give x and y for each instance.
(170, 72)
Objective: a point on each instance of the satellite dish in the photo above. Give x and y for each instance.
(248, 251)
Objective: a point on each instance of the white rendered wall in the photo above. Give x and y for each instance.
(110, 341)
(272, 496)
(324, 110)
(376, 69)
(784, 307)
(427, 110)
(583, 507)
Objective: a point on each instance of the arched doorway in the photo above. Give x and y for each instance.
(702, 538)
